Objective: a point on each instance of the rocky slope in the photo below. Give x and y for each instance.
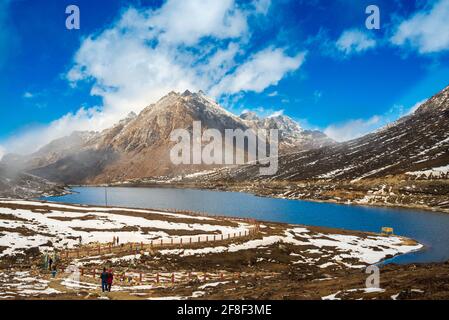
(415, 146)
(139, 146)
(49, 153)
(22, 185)
(293, 137)
(405, 164)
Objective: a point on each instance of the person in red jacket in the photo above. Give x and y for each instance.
(110, 279)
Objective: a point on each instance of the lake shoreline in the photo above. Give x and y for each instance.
(247, 204)
(262, 192)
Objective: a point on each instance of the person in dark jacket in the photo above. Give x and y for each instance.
(104, 280)
(110, 279)
(50, 264)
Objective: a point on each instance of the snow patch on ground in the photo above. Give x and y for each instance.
(96, 225)
(367, 250)
(437, 172)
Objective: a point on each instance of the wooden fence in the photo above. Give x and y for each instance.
(162, 243)
(163, 278)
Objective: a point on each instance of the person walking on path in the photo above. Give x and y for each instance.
(113, 240)
(54, 271)
(50, 263)
(46, 256)
(104, 280)
(110, 279)
(117, 241)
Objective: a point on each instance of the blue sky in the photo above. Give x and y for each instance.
(312, 60)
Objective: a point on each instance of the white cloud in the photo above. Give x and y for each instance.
(188, 21)
(260, 71)
(273, 94)
(262, 6)
(190, 44)
(356, 128)
(416, 106)
(354, 41)
(31, 138)
(263, 112)
(353, 128)
(427, 30)
(276, 114)
(28, 95)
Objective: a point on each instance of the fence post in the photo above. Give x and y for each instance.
(214, 237)
(151, 244)
(173, 278)
(82, 271)
(162, 241)
(190, 240)
(94, 272)
(157, 278)
(199, 239)
(140, 277)
(222, 276)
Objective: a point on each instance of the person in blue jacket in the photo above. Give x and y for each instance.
(104, 280)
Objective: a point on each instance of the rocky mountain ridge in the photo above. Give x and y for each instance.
(139, 145)
(414, 145)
